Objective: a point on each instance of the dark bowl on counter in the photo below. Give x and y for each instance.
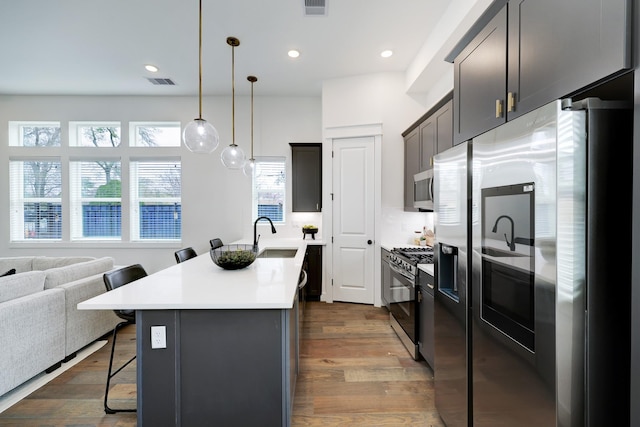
(233, 257)
(311, 231)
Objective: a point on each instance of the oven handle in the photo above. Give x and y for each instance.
(403, 274)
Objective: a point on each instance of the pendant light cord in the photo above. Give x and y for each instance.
(233, 97)
(251, 120)
(200, 64)
(252, 80)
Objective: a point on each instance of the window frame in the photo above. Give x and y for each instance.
(66, 154)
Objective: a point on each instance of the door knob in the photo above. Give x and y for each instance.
(369, 242)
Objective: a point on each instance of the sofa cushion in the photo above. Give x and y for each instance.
(58, 276)
(21, 264)
(19, 285)
(47, 262)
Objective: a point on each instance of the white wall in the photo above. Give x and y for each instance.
(381, 98)
(216, 201)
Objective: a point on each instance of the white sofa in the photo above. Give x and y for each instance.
(40, 325)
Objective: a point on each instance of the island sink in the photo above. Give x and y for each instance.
(278, 253)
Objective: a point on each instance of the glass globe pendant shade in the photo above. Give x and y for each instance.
(200, 136)
(249, 167)
(233, 157)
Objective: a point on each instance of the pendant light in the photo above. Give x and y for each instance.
(199, 135)
(233, 156)
(251, 163)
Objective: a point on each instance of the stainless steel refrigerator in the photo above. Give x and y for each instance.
(548, 302)
(451, 303)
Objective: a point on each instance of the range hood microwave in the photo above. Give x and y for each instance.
(423, 191)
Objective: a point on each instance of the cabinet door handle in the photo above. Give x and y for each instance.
(511, 102)
(498, 108)
(431, 161)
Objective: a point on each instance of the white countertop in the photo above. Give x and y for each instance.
(198, 283)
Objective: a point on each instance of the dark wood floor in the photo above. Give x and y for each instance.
(354, 372)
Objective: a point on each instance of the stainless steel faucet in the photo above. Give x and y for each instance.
(512, 244)
(256, 237)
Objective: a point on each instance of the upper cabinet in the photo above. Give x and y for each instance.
(411, 165)
(306, 180)
(523, 54)
(430, 135)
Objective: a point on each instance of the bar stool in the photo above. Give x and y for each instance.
(216, 243)
(185, 254)
(112, 280)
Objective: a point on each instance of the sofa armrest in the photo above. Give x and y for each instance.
(85, 326)
(32, 336)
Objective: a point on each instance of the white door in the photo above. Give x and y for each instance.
(353, 220)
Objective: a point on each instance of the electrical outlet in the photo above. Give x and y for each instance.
(158, 337)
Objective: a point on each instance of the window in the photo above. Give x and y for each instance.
(94, 134)
(32, 134)
(36, 210)
(155, 200)
(87, 187)
(95, 199)
(269, 188)
(151, 134)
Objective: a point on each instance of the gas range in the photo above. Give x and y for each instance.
(404, 293)
(408, 258)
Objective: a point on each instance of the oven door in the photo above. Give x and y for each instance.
(403, 301)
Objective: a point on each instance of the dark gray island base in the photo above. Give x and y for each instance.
(220, 367)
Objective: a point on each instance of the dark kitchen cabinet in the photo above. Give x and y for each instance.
(523, 54)
(411, 166)
(385, 275)
(426, 317)
(479, 81)
(218, 356)
(306, 180)
(430, 135)
(313, 260)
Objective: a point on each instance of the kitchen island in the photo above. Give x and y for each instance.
(231, 350)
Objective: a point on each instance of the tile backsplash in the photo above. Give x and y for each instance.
(399, 227)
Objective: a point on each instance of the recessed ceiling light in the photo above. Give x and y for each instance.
(293, 53)
(151, 68)
(386, 53)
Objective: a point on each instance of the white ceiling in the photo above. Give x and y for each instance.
(99, 47)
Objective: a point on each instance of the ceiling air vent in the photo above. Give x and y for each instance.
(315, 7)
(161, 81)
